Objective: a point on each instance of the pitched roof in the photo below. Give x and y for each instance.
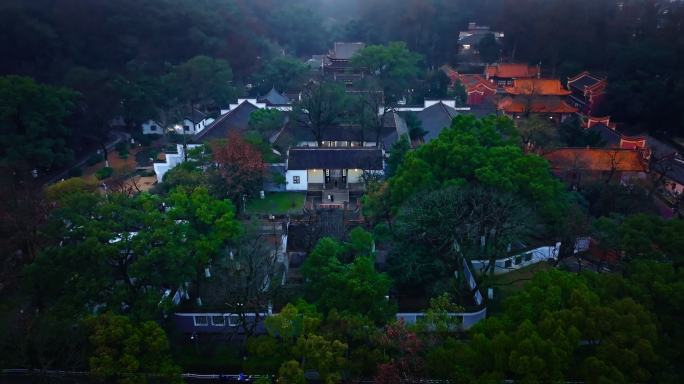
(435, 118)
(596, 159)
(236, 119)
(334, 158)
(473, 81)
(511, 70)
(196, 116)
(345, 51)
(674, 168)
(585, 80)
(394, 127)
(542, 87)
(608, 135)
(274, 97)
(545, 104)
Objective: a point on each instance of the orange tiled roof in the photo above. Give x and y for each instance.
(537, 105)
(473, 81)
(596, 159)
(537, 87)
(511, 70)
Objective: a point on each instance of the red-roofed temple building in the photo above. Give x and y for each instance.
(503, 74)
(545, 97)
(578, 165)
(588, 91)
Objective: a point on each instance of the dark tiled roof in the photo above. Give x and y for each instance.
(585, 79)
(196, 116)
(658, 148)
(674, 167)
(345, 51)
(237, 119)
(334, 158)
(435, 118)
(608, 136)
(474, 38)
(274, 97)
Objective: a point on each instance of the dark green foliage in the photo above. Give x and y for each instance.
(94, 159)
(104, 173)
(396, 154)
(477, 151)
(394, 65)
(353, 288)
(34, 133)
(436, 230)
(489, 49)
(606, 199)
(284, 73)
(572, 134)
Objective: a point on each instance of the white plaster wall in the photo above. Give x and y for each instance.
(289, 177)
(315, 176)
(354, 175)
(538, 254)
(147, 128)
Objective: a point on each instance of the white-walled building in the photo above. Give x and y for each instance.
(172, 159)
(151, 127)
(328, 168)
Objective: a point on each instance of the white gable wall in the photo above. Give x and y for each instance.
(303, 180)
(151, 127)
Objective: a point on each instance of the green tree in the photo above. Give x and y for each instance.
(266, 122)
(126, 259)
(489, 48)
(355, 288)
(321, 106)
(438, 317)
(282, 72)
(438, 230)
(395, 66)
(396, 154)
(202, 81)
(128, 352)
(536, 132)
(34, 134)
(483, 151)
(291, 373)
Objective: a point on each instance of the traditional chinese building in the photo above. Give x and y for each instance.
(588, 91)
(337, 61)
(578, 165)
(503, 74)
(545, 97)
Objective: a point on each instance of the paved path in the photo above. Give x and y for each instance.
(115, 138)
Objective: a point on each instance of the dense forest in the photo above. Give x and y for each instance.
(637, 43)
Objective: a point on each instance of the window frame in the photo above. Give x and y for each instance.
(199, 324)
(296, 180)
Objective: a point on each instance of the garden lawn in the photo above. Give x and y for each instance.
(508, 283)
(277, 203)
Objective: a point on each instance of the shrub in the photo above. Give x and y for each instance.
(94, 159)
(121, 146)
(104, 173)
(279, 179)
(75, 172)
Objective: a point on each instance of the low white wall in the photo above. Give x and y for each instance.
(467, 319)
(172, 159)
(303, 180)
(520, 260)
